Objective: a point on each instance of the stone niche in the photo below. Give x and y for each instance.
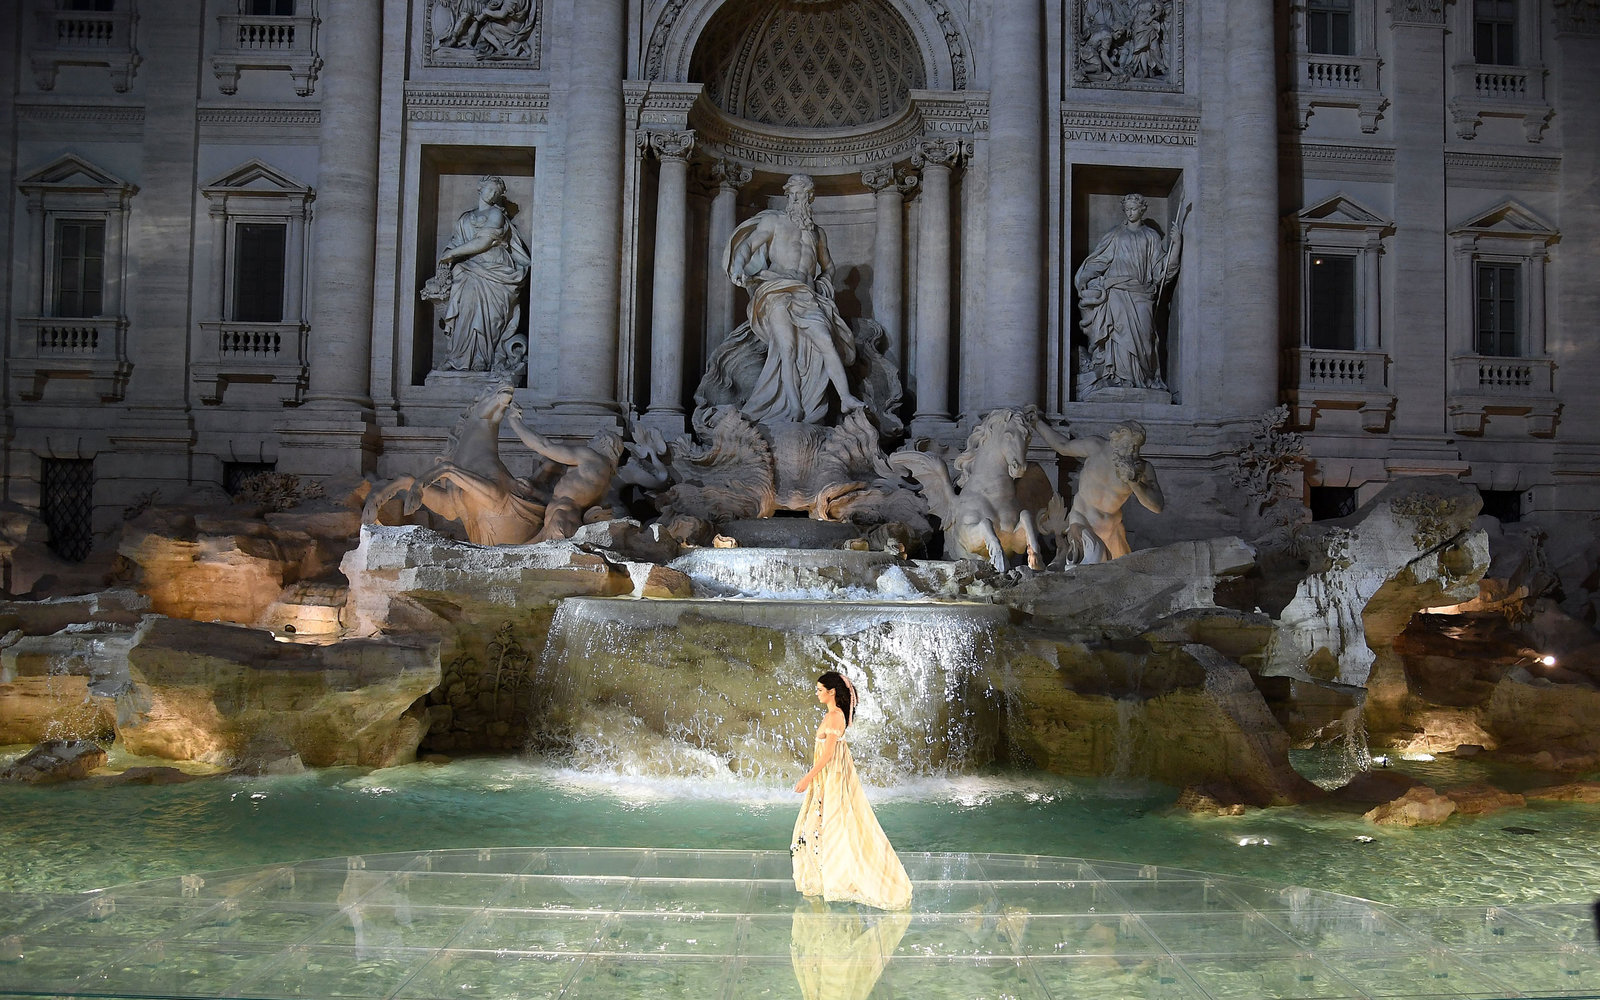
(1097, 193)
(448, 186)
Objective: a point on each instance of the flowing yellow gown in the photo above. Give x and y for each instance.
(840, 852)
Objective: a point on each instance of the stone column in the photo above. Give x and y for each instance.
(591, 209)
(671, 274)
(1421, 349)
(334, 431)
(936, 158)
(1013, 357)
(888, 260)
(1577, 293)
(1250, 225)
(722, 314)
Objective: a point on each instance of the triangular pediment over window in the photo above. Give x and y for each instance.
(1508, 219)
(255, 177)
(1342, 210)
(73, 173)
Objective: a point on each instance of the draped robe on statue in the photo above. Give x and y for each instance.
(484, 310)
(1117, 284)
(794, 316)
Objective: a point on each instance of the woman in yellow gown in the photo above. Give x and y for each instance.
(840, 852)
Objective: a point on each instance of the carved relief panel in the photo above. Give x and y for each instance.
(1127, 44)
(483, 33)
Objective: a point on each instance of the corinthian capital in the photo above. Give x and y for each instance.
(886, 176)
(671, 145)
(939, 151)
(730, 174)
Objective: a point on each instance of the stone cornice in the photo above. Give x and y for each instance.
(1134, 127)
(930, 113)
(476, 105)
(108, 121)
(1505, 162)
(266, 124)
(1339, 153)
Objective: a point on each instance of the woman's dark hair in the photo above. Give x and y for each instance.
(835, 682)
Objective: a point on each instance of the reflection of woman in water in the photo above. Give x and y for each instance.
(840, 852)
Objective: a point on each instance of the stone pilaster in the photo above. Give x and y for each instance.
(670, 279)
(937, 158)
(722, 314)
(334, 432)
(1571, 272)
(591, 209)
(151, 440)
(888, 254)
(1250, 222)
(1420, 344)
(1014, 269)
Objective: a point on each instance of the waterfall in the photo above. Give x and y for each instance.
(725, 687)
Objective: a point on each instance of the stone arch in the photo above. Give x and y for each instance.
(938, 28)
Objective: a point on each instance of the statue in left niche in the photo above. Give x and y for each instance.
(491, 29)
(470, 484)
(482, 273)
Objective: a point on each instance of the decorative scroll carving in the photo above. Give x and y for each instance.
(940, 151)
(731, 175)
(670, 145)
(1424, 12)
(484, 33)
(1128, 44)
(1578, 17)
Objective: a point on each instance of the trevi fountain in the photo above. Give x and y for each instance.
(520, 718)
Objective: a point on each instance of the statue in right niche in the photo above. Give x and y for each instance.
(1119, 285)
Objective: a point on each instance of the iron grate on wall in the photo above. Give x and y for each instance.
(235, 473)
(66, 505)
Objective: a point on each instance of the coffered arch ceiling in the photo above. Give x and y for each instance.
(808, 64)
(749, 52)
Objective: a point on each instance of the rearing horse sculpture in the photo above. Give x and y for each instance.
(985, 519)
(469, 483)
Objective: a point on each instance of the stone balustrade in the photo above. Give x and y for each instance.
(267, 353)
(80, 37)
(1338, 81)
(1484, 387)
(1499, 92)
(1340, 380)
(255, 41)
(91, 348)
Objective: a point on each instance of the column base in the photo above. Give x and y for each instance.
(670, 424)
(327, 444)
(937, 427)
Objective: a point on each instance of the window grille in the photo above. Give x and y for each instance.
(66, 505)
(1329, 502)
(234, 474)
(1503, 505)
